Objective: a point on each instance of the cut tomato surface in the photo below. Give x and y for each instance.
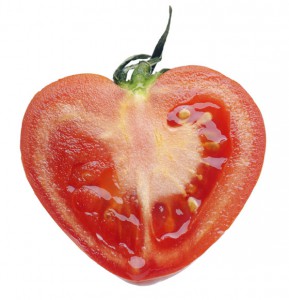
(136, 179)
(143, 174)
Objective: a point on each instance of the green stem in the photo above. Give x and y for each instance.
(142, 75)
(161, 43)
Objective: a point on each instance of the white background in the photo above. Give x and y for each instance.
(42, 41)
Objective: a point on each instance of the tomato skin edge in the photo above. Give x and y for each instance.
(194, 73)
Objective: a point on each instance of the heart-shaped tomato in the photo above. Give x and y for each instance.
(145, 175)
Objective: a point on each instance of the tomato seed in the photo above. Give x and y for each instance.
(191, 188)
(212, 146)
(205, 118)
(193, 204)
(184, 114)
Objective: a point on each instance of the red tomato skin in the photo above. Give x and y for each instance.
(174, 87)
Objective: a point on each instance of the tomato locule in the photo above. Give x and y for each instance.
(144, 173)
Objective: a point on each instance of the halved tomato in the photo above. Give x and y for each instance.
(143, 175)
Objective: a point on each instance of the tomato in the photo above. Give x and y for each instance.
(143, 174)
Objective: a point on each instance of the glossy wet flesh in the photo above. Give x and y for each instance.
(87, 178)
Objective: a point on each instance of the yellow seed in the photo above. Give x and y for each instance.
(206, 117)
(184, 113)
(212, 146)
(191, 188)
(199, 177)
(193, 204)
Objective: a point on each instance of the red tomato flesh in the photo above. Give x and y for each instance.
(135, 180)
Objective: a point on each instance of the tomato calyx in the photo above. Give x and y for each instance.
(142, 72)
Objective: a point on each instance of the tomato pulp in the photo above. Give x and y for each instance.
(141, 172)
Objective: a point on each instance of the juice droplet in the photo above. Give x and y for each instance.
(216, 162)
(176, 234)
(136, 262)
